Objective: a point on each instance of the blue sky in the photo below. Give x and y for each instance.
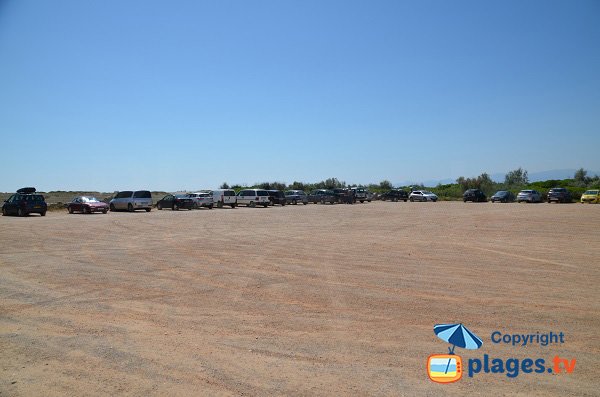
(109, 95)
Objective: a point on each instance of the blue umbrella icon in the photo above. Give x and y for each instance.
(458, 335)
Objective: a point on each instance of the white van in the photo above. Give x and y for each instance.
(253, 197)
(223, 197)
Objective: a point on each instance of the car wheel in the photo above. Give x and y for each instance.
(232, 205)
(412, 200)
(43, 213)
(148, 209)
(4, 212)
(252, 204)
(159, 206)
(305, 202)
(104, 211)
(219, 204)
(112, 207)
(175, 207)
(70, 209)
(130, 207)
(20, 212)
(265, 205)
(210, 207)
(294, 202)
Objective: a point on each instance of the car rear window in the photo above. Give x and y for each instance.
(124, 194)
(262, 193)
(142, 194)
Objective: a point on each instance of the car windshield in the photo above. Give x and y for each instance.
(124, 194)
(181, 196)
(90, 200)
(591, 192)
(501, 193)
(142, 194)
(427, 192)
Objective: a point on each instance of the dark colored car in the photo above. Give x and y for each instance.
(559, 194)
(341, 194)
(175, 202)
(474, 195)
(503, 196)
(25, 202)
(296, 196)
(277, 197)
(87, 205)
(322, 196)
(394, 195)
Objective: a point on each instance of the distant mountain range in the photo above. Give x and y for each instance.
(499, 177)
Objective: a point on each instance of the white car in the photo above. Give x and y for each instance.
(422, 195)
(223, 197)
(253, 197)
(201, 199)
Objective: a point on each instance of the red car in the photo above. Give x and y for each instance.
(87, 205)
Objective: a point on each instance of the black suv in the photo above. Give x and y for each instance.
(25, 202)
(277, 197)
(395, 195)
(322, 196)
(474, 195)
(559, 194)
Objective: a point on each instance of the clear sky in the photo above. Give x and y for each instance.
(168, 95)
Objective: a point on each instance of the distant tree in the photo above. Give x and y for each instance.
(224, 185)
(332, 183)
(516, 177)
(298, 186)
(581, 177)
(385, 185)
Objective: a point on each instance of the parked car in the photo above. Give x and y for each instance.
(422, 195)
(591, 196)
(323, 196)
(360, 194)
(25, 202)
(87, 205)
(503, 196)
(341, 194)
(276, 197)
(202, 199)
(224, 197)
(395, 195)
(131, 201)
(530, 196)
(559, 194)
(175, 202)
(474, 195)
(296, 196)
(253, 197)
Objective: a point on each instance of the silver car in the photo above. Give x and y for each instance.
(131, 201)
(529, 196)
(422, 195)
(202, 199)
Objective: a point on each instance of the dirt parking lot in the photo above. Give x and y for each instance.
(295, 300)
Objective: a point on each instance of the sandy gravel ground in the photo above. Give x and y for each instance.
(305, 300)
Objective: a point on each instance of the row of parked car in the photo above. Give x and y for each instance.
(26, 201)
(554, 195)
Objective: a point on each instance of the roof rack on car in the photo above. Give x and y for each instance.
(26, 190)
